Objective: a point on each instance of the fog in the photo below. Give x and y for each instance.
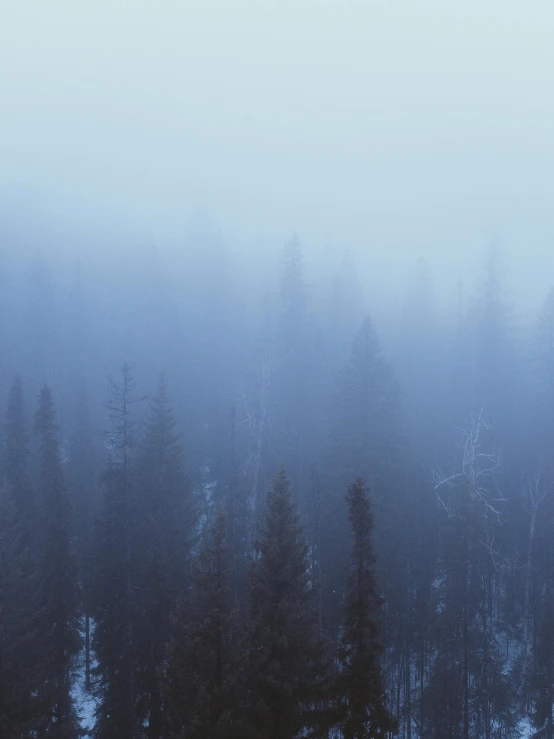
(261, 260)
(394, 128)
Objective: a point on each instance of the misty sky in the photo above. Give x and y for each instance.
(393, 127)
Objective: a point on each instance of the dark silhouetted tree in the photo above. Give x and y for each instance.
(163, 533)
(112, 594)
(83, 471)
(542, 682)
(58, 622)
(202, 678)
(18, 575)
(286, 669)
(361, 699)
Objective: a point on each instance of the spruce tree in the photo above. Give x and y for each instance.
(202, 677)
(18, 575)
(112, 593)
(285, 669)
(468, 690)
(360, 694)
(59, 591)
(542, 683)
(365, 423)
(165, 519)
(16, 466)
(18, 666)
(364, 440)
(83, 481)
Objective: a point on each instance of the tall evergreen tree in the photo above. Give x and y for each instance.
(59, 591)
(202, 676)
(365, 425)
(364, 441)
(542, 683)
(16, 465)
(83, 479)
(18, 535)
(361, 699)
(164, 530)
(286, 667)
(113, 595)
(468, 693)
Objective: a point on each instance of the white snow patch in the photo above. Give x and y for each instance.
(526, 729)
(85, 703)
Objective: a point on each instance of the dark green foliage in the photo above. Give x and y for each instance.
(364, 441)
(469, 691)
(83, 479)
(285, 670)
(365, 430)
(16, 467)
(202, 675)
(464, 556)
(112, 594)
(360, 695)
(112, 612)
(163, 530)
(18, 580)
(16, 636)
(542, 681)
(58, 622)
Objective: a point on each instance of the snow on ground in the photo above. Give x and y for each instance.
(526, 729)
(85, 704)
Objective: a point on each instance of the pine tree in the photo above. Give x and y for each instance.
(18, 576)
(360, 693)
(365, 429)
(364, 441)
(166, 515)
(19, 664)
(113, 594)
(202, 697)
(83, 480)
(59, 592)
(542, 683)
(285, 668)
(468, 691)
(16, 464)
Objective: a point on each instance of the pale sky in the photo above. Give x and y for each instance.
(396, 127)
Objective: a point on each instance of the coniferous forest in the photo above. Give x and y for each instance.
(263, 513)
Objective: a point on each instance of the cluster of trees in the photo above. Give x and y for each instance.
(176, 652)
(450, 421)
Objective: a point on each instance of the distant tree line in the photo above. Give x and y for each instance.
(153, 555)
